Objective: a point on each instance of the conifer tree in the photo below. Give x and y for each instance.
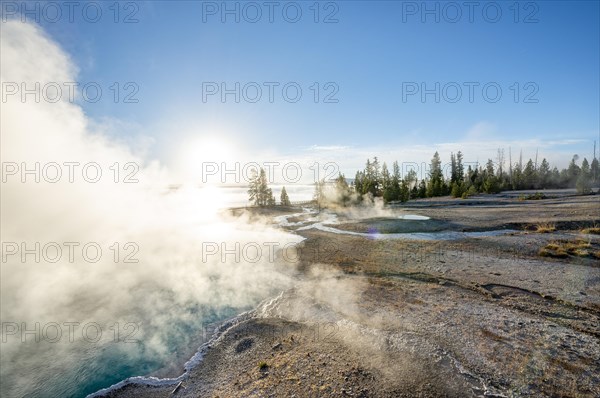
(529, 176)
(410, 180)
(359, 184)
(595, 171)
(460, 169)
(270, 197)
(544, 174)
(342, 190)
(285, 200)
(395, 183)
(253, 190)
(258, 192)
(386, 184)
(319, 195)
(573, 171)
(422, 192)
(490, 182)
(453, 169)
(583, 184)
(436, 179)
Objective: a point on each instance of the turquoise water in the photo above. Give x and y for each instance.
(65, 369)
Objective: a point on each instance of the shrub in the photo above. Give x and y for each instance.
(262, 365)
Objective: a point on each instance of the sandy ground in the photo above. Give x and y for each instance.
(481, 317)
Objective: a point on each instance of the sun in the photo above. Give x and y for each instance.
(201, 157)
(210, 150)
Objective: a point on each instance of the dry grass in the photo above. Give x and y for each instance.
(547, 252)
(545, 228)
(564, 249)
(595, 230)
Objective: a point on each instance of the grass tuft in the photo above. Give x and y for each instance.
(564, 249)
(591, 231)
(545, 228)
(262, 365)
(545, 252)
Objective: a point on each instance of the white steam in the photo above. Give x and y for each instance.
(170, 285)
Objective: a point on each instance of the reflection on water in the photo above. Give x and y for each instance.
(413, 217)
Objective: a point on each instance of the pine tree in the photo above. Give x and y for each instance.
(342, 190)
(395, 183)
(453, 169)
(319, 195)
(460, 169)
(368, 180)
(264, 192)
(529, 176)
(470, 177)
(490, 182)
(253, 190)
(583, 184)
(270, 197)
(422, 191)
(414, 192)
(436, 179)
(372, 178)
(456, 190)
(404, 194)
(386, 184)
(573, 171)
(377, 183)
(457, 175)
(555, 178)
(544, 174)
(259, 193)
(410, 181)
(595, 171)
(517, 176)
(411, 178)
(359, 184)
(285, 200)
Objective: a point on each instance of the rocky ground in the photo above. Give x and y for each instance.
(490, 316)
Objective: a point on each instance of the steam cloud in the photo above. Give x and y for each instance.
(166, 291)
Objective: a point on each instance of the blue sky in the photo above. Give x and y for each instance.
(374, 49)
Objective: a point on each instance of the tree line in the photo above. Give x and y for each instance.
(376, 180)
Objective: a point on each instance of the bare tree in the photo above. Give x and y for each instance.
(510, 166)
(500, 162)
